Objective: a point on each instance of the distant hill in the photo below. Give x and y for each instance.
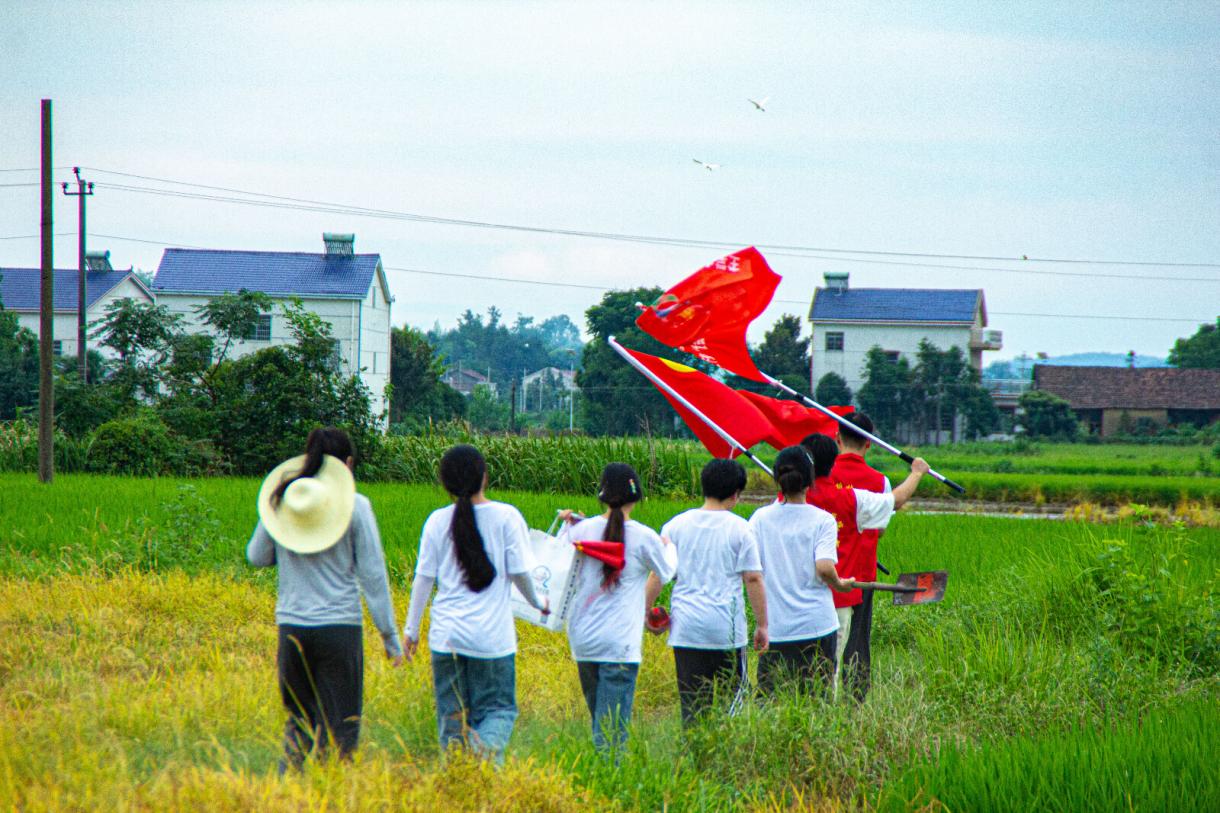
(1102, 360)
(1023, 366)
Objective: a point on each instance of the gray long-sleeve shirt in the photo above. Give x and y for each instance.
(317, 589)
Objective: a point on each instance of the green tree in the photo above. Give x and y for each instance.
(485, 412)
(1045, 415)
(1202, 350)
(832, 389)
(18, 366)
(615, 399)
(886, 393)
(945, 386)
(418, 394)
(143, 334)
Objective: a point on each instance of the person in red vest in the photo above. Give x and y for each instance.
(853, 661)
(857, 511)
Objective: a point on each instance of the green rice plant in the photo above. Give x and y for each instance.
(1165, 760)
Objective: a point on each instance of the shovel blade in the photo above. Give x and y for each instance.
(929, 587)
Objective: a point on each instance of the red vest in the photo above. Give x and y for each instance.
(857, 556)
(839, 501)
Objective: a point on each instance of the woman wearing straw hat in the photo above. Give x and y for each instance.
(322, 536)
(473, 552)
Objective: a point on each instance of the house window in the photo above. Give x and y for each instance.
(336, 355)
(892, 356)
(834, 341)
(57, 348)
(261, 331)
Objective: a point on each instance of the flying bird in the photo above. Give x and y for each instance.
(760, 105)
(706, 165)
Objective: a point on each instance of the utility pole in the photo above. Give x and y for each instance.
(46, 322)
(81, 194)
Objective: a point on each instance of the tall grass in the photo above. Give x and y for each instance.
(1146, 764)
(137, 667)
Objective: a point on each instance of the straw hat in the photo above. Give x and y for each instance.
(315, 512)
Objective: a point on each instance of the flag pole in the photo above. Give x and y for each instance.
(906, 458)
(725, 436)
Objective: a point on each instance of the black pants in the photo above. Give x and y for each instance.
(857, 674)
(699, 671)
(810, 664)
(322, 685)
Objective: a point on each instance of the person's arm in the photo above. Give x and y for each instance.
(906, 489)
(260, 552)
(826, 572)
(374, 583)
(651, 590)
(756, 591)
(421, 592)
(525, 583)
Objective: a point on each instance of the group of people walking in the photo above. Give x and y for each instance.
(322, 536)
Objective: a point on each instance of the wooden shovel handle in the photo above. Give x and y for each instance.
(889, 588)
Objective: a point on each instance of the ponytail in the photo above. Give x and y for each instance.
(462, 472)
(793, 470)
(322, 442)
(620, 486)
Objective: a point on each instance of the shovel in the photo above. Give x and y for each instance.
(913, 588)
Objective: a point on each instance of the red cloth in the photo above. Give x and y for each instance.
(861, 563)
(707, 313)
(721, 404)
(793, 421)
(612, 553)
(839, 500)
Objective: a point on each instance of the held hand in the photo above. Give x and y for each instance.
(920, 466)
(569, 516)
(761, 640)
(409, 648)
(845, 585)
(546, 605)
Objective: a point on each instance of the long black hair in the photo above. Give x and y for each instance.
(325, 440)
(793, 470)
(620, 486)
(462, 472)
(823, 450)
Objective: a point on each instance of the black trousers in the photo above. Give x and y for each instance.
(321, 671)
(810, 664)
(857, 667)
(699, 672)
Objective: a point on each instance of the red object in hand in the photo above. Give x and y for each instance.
(657, 619)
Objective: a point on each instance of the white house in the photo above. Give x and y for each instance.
(346, 289)
(846, 322)
(21, 293)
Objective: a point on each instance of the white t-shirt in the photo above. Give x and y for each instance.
(477, 625)
(791, 538)
(707, 606)
(608, 625)
(873, 509)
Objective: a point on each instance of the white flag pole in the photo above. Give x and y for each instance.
(725, 436)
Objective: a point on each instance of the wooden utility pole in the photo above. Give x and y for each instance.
(46, 325)
(81, 287)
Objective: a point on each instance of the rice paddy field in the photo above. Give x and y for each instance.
(1072, 666)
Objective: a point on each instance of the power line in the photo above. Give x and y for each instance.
(12, 185)
(649, 239)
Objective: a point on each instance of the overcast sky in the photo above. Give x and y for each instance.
(1073, 131)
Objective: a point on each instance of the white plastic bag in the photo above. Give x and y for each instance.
(556, 567)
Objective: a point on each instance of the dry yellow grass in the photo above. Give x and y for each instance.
(157, 692)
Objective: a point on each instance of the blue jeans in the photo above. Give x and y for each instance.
(609, 690)
(476, 701)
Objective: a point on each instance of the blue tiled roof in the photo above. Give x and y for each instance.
(21, 287)
(279, 273)
(895, 305)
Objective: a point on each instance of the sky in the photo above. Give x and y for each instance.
(1083, 131)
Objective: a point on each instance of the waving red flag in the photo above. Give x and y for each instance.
(791, 421)
(720, 404)
(707, 313)
(612, 553)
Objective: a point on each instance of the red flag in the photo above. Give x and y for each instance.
(793, 421)
(707, 313)
(609, 552)
(721, 404)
